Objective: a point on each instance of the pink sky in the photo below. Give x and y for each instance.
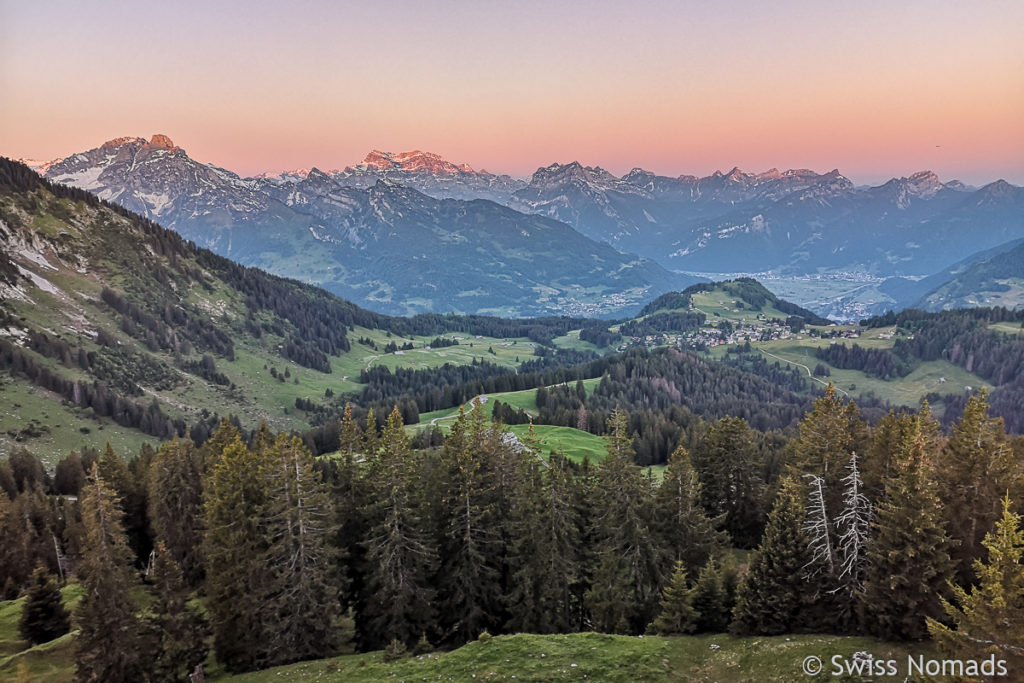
(877, 89)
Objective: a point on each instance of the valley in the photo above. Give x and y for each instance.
(118, 336)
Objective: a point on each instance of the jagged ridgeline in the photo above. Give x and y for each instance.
(114, 313)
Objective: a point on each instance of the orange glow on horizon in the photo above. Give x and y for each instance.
(875, 91)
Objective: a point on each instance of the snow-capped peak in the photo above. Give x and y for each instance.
(415, 161)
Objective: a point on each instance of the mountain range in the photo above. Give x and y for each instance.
(362, 236)
(410, 232)
(795, 221)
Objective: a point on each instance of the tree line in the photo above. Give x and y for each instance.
(878, 531)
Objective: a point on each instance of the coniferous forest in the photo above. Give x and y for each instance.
(250, 550)
(542, 342)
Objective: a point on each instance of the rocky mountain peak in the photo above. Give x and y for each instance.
(316, 174)
(159, 141)
(923, 184)
(120, 142)
(415, 161)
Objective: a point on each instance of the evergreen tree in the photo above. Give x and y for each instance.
(611, 598)
(400, 555)
(350, 437)
(107, 648)
(176, 506)
(909, 563)
(13, 563)
(349, 491)
(678, 616)
(471, 548)
(709, 599)
(43, 616)
(623, 528)
(303, 567)
(544, 551)
(684, 529)
(131, 491)
(371, 439)
(827, 435)
(730, 474)
(876, 466)
(225, 435)
(773, 595)
(238, 584)
(990, 619)
(976, 468)
(177, 633)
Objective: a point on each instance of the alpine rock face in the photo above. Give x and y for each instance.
(362, 235)
(429, 173)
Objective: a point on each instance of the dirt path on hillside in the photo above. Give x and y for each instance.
(809, 373)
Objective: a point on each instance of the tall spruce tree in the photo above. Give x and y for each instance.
(623, 528)
(43, 616)
(773, 596)
(976, 468)
(303, 566)
(727, 463)
(543, 550)
(107, 648)
(176, 632)
(990, 618)
(371, 437)
(709, 599)
(611, 599)
(909, 563)
(222, 437)
(238, 584)
(401, 556)
(684, 529)
(471, 546)
(826, 437)
(349, 491)
(176, 506)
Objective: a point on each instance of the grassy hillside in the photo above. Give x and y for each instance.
(597, 657)
(521, 657)
(94, 295)
(53, 661)
(576, 444)
(932, 376)
(731, 321)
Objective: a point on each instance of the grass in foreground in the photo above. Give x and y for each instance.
(600, 657)
(522, 657)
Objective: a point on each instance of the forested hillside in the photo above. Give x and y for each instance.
(854, 530)
(126, 323)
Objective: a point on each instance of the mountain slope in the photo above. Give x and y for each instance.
(424, 254)
(993, 279)
(114, 328)
(385, 246)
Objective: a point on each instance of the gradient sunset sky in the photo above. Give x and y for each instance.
(877, 89)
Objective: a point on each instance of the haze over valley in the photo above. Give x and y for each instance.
(412, 232)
